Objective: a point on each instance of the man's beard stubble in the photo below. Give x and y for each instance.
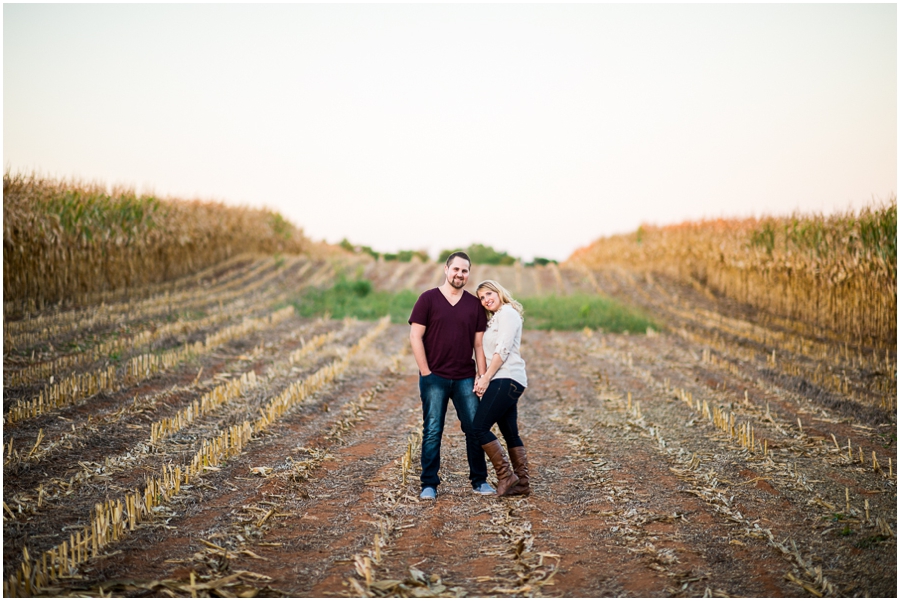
(457, 282)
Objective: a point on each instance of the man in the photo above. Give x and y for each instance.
(446, 325)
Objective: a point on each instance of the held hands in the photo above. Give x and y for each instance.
(481, 385)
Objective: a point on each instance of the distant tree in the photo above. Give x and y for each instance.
(407, 255)
(482, 255)
(541, 261)
(355, 248)
(402, 255)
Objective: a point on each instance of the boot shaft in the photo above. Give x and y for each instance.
(519, 459)
(506, 477)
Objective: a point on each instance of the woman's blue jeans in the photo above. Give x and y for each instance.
(435, 392)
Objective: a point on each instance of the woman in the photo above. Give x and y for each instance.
(500, 388)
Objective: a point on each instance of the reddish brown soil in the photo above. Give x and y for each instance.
(656, 502)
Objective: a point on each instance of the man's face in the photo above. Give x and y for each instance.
(457, 272)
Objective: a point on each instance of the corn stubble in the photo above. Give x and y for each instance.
(837, 273)
(69, 241)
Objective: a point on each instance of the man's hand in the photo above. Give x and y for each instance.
(416, 333)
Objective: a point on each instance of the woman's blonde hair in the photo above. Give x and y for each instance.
(503, 294)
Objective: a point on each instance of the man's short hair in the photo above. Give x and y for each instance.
(459, 254)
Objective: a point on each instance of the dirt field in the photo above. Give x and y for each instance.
(646, 477)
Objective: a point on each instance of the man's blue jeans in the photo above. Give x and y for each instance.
(435, 392)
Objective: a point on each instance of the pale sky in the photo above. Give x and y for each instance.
(533, 128)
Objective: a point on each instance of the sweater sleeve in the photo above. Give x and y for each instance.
(508, 324)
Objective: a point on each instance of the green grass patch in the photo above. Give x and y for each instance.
(356, 298)
(581, 311)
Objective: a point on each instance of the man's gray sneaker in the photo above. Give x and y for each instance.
(484, 489)
(428, 493)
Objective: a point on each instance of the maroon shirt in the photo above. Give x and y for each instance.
(449, 332)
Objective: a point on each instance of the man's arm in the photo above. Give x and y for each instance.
(480, 362)
(416, 333)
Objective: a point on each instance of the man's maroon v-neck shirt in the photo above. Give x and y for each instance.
(449, 332)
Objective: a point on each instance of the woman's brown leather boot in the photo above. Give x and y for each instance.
(519, 460)
(506, 477)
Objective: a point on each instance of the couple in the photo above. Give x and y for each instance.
(447, 324)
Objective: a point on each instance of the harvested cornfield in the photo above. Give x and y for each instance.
(237, 449)
(80, 243)
(836, 274)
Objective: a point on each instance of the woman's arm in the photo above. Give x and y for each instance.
(508, 322)
(480, 362)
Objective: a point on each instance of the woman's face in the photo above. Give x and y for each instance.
(490, 300)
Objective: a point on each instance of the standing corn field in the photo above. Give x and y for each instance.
(64, 241)
(837, 274)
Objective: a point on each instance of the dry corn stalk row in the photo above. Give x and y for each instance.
(817, 346)
(790, 440)
(127, 344)
(111, 520)
(231, 390)
(64, 241)
(81, 386)
(209, 403)
(792, 437)
(175, 287)
(354, 412)
(787, 476)
(105, 314)
(201, 298)
(27, 311)
(140, 405)
(630, 522)
(840, 355)
(368, 563)
(750, 341)
(64, 393)
(69, 439)
(41, 321)
(709, 493)
(312, 345)
(526, 573)
(206, 404)
(878, 389)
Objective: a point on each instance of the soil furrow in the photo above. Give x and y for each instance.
(216, 509)
(730, 464)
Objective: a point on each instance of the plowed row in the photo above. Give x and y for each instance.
(636, 491)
